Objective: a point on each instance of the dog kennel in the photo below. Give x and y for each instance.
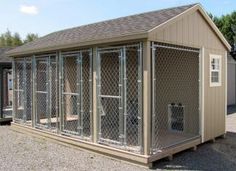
(175, 106)
(158, 89)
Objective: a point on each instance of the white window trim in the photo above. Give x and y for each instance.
(213, 56)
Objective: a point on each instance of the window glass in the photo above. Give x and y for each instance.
(215, 70)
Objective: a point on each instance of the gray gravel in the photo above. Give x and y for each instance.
(23, 152)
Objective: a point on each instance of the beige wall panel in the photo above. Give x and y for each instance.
(185, 30)
(147, 97)
(214, 100)
(193, 30)
(179, 31)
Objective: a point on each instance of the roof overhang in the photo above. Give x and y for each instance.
(78, 44)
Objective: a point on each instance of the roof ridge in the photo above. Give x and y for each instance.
(132, 15)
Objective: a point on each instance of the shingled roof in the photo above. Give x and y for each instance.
(131, 25)
(3, 57)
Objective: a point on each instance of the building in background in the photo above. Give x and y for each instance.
(6, 92)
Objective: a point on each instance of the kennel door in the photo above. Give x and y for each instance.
(71, 93)
(110, 90)
(42, 93)
(46, 93)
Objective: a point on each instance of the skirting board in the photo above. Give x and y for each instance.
(105, 150)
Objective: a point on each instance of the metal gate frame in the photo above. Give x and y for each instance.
(154, 47)
(121, 50)
(24, 91)
(79, 93)
(48, 59)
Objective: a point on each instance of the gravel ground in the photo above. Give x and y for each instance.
(23, 152)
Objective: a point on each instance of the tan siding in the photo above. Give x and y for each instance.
(214, 100)
(189, 30)
(192, 30)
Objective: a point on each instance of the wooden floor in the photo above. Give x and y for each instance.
(54, 119)
(165, 138)
(169, 138)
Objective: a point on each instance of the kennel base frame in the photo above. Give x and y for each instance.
(114, 153)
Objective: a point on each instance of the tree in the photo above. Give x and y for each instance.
(8, 39)
(227, 25)
(16, 40)
(2, 41)
(30, 37)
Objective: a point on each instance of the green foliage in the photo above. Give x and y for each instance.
(16, 41)
(227, 25)
(8, 39)
(30, 37)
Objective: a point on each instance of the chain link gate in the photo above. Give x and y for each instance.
(175, 90)
(46, 107)
(76, 85)
(119, 96)
(22, 98)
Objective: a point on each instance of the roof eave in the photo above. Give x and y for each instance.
(135, 36)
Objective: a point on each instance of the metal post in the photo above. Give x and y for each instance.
(57, 98)
(140, 97)
(153, 96)
(24, 90)
(33, 91)
(121, 95)
(91, 91)
(98, 77)
(36, 94)
(48, 84)
(14, 90)
(61, 96)
(80, 92)
(125, 96)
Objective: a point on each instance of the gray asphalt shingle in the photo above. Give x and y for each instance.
(130, 25)
(3, 56)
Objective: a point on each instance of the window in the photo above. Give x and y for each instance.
(215, 70)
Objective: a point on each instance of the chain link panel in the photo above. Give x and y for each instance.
(18, 90)
(23, 91)
(119, 85)
(175, 95)
(46, 93)
(77, 93)
(119, 97)
(28, 91)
